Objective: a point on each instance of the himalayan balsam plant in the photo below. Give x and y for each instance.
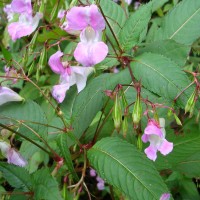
(99, 99)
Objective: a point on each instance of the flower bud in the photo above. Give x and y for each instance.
(137, 112)
(189, 107)
(117, 113)
(31, 68)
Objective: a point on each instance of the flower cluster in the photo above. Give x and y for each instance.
(100, 181)
(155, 134)
(12, 155)
(26, 23)
(89, 23)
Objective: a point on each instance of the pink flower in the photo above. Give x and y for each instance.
(7, 95)
(68, 76)
(12, 155)
(18, 6)
(25, 26)
(100, 184)
(165, 196)
(92, 172)
(155, 134)
(90, 50)
(78, 18)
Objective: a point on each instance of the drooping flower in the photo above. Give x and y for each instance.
(100, 184)
(91, 50)
(79, 18)
(165, 196)
(12, 155)
(25, 26)
(69, 75)
(155, 134)
(7, 95)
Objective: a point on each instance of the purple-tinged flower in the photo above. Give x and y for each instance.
(25, 26)
(155, 134)
(165, 196)
(90, 50)
(92, 172)
(136, 5)
(61, 13)
(19, 7)
(68, 76)
(7, 95)
(100, 184)
(78, 18)
(12, 155)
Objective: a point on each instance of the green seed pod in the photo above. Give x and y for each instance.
(33, 42)
(37, 74)
(139, 143)
(117, 113)
(42, 6)
(31, 68)
(25, 58)
(125, 126)
(137, 112)
(189, 107)
(43, 59)
(54, 12)
(178, 121)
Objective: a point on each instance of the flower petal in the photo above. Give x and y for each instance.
(21, 6)
(4, 148)
(25, 26)
(97, 21)
(90, 54)
(81, 74)
(15, 158)
(165, 196)
(59, 92)
(166, 147)
(153, 129)
(7, 95)
(151, 152)
(55, 63)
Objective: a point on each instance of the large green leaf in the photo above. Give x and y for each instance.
(123, 166)
(17, 177)
(182, 23)
(161, 76)
(168, 48)
(26, 116)
(92, 99)
(45, 186)
(115, 16)
(135, 27)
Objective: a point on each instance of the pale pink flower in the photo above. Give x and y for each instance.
(69, 75)
(92, 172)
(165, 196)
(25, 26)
(61, 13)
(12, 155)
(155, 134)
(7, 95)
(91, 50)
(78, 18)
(100, 184)
(19, 7)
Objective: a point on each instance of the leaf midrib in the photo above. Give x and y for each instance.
(97, 149)
(184, 24)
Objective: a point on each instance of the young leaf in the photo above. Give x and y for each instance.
(45, 186)
(17, 177)
(135, 28)
(182, 23)
(123, 166)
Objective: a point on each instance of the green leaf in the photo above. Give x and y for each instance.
(161, 76)
(17, 177)
(107, 63)
(123, 166)
(62, 143)
(45, 186)
(135, 28)
(25, 115)
(158, 4)
(168, 48)
(182, 23)
(115, 16)
(92, 99)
